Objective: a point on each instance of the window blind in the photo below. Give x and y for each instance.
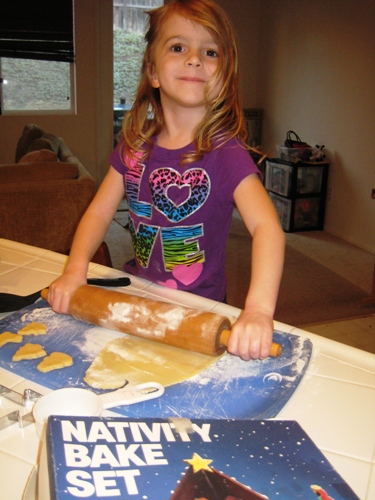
(37, 29)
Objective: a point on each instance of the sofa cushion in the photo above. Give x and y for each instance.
(47, 141)
(29, 134)
(38, 156)
(38, 172)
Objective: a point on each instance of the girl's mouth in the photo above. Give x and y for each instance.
(191, 79)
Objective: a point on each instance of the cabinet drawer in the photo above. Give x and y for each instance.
(295, 179)
(299, 214)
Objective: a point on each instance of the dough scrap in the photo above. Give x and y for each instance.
(29, 351)
(139, 360)
(33, 328)
(55, 361)
(7, 337)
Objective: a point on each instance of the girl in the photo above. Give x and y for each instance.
(183, 170)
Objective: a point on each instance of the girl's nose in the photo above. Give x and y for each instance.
(194, 60)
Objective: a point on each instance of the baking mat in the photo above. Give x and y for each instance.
(230, 388)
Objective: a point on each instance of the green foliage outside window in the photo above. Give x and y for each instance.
(128, 51)
(35, 85)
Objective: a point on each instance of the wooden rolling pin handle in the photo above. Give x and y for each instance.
(276, 349)
(44, 293)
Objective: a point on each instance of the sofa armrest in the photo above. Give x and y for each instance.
(66, 155)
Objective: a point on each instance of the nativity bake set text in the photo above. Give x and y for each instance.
(100, 447)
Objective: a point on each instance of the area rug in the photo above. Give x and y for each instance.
(309, 292)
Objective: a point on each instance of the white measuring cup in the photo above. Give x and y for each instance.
(74, 401)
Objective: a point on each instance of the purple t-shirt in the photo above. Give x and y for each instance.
(180, 216)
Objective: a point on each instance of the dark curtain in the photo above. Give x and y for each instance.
(37, 29)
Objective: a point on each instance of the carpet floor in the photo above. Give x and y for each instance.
(311, 293)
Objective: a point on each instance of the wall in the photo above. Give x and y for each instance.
(245, 17)
(316, 75)
(88, 133)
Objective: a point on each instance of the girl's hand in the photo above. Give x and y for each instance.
(89, 235)
(251, 335)
(62, 289)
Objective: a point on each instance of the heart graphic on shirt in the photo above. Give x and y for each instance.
(187, 274)
(169, 284)
(182, 203)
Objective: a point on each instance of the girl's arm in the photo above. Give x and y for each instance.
(251, 335)
(88, 237)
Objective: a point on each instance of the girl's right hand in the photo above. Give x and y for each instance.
(62, 289)
(89, 235)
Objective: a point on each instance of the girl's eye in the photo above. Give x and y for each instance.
(211, 53)
(177, 48)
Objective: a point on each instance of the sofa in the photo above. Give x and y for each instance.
(44, 193)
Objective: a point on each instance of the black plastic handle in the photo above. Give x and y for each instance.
(109, 281)
(10, 302)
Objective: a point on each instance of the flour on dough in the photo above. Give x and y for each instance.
(29, 351)
(55, 361)
(139, 360)
(33, 328)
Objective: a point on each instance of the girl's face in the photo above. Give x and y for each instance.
(185, 60)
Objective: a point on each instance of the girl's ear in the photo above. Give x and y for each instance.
(153, 77)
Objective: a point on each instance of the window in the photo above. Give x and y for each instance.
(36, 56)
(29, 85)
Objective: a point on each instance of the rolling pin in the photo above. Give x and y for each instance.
(178, 326)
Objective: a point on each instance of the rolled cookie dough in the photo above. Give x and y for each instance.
(29, 351)
(7, 337)
(33, 328)
(139, 360)
(55, 361)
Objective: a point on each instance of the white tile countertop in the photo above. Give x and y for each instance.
(334, 403)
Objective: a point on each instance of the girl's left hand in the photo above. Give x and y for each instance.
(251, 335)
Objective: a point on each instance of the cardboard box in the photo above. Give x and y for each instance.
(182, 459)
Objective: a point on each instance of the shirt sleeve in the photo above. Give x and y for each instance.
(116, 158)
(234, 164)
